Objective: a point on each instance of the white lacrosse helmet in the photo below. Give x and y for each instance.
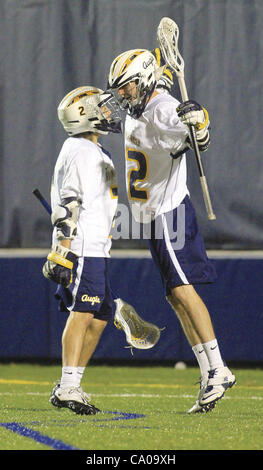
(139, 66)
(81, 110)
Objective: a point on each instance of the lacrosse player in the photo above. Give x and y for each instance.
(84, 202)
(156, 141)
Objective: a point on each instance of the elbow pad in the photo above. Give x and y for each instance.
(65, 218)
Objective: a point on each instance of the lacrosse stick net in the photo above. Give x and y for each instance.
(139, 333)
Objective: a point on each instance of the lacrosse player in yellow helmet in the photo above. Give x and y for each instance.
(156, 142)
(84, 196)
(84, 201)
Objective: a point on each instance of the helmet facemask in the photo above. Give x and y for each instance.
(80, 112)
(144, 93)
(138, 67)
(135, 104)
(111, 119)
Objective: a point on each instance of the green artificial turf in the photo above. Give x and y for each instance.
(143, 408)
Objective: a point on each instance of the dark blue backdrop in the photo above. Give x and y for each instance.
(31, 325)
(49, 47)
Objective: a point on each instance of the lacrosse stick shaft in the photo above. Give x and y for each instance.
(184, 95)
(42, 200)
(167, 35)
(203, 181)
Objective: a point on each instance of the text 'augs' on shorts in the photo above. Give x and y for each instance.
(90, 290)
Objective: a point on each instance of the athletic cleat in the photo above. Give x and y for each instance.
(219, 380)
(73, 398)
(54, 389)
(197, 408)
(57, 385)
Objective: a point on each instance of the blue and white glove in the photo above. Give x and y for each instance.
(193, 114)
(59, 265)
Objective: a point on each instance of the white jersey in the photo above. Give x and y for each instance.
(156, 183)
(85, 171)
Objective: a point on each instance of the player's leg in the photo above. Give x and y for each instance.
(181, 269)
(68, 394)
(220, 378)
(91, 340)
(187, 326)
(73, 337)
(197, 348)
(72, 375)
(193, 307)
(83, 308)
(103, 311)
(171, 274)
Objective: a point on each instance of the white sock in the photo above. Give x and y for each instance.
(213, 354)
(80, 373)
(69, 377)
(202, 359)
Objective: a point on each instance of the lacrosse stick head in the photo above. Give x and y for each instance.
(139, 333)
(167, 37)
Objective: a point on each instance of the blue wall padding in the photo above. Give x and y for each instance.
(31, 325)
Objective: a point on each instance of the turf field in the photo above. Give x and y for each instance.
(144, 408)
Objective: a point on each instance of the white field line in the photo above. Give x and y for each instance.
(131, 395)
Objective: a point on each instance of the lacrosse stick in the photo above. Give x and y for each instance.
(167, 36)
(42, 200)
(139, 333)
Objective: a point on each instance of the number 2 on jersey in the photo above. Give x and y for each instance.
(137, 174)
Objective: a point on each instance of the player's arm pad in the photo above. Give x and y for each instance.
(191, 113)
(65, 218)
(165, 82)
(59, 265)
